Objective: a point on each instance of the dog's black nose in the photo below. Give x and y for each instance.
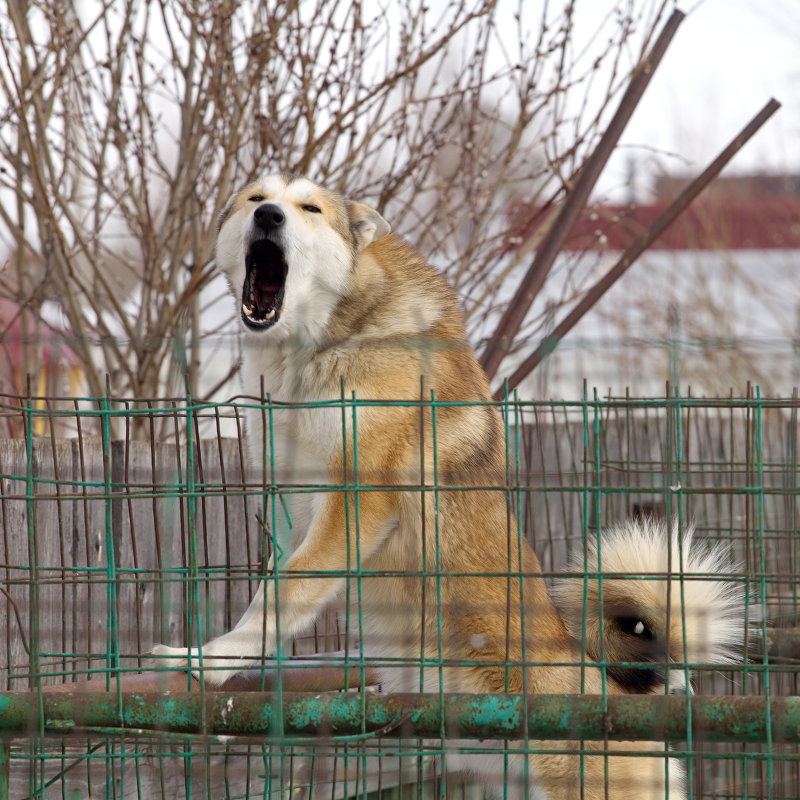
(268, 217)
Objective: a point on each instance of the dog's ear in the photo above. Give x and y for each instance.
(367, 225)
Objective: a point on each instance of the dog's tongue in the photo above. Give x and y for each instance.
(265, 296)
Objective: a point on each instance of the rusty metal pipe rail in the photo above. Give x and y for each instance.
(495, 716)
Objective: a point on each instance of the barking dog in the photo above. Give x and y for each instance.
(332, 306)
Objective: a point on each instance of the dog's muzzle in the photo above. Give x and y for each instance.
(264, 284)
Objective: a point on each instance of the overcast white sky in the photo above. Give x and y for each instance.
(726, 60)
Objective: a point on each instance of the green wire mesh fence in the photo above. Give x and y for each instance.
(130, 522)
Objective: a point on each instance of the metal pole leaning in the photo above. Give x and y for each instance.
(552, 242)
(661, 223)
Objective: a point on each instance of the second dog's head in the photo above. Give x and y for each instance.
(664, 599)
(288, 249)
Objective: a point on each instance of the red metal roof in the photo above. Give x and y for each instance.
(712, 223)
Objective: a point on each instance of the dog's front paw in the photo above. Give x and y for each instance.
(216, 666)
(166, 657)
(174, 658)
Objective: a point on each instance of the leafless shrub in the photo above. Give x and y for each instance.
(126, 125)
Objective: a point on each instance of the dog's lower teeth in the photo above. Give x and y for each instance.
(270, 313)
(246, 311)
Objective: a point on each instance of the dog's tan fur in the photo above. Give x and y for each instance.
(390, 329)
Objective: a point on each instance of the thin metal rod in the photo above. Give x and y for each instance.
(553, 241)
(5, 769)
(661, 718)
(660, 224)
(325, 672)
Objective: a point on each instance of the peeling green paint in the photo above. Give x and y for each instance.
(491, 716)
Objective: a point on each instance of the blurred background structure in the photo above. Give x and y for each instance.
(712, 305)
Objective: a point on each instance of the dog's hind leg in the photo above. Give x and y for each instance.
(313, 574)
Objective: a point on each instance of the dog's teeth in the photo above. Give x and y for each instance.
(270, 313)
(246, 311)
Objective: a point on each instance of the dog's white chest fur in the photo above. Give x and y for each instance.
(290, 438)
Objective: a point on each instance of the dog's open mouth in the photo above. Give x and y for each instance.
(264, 283)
